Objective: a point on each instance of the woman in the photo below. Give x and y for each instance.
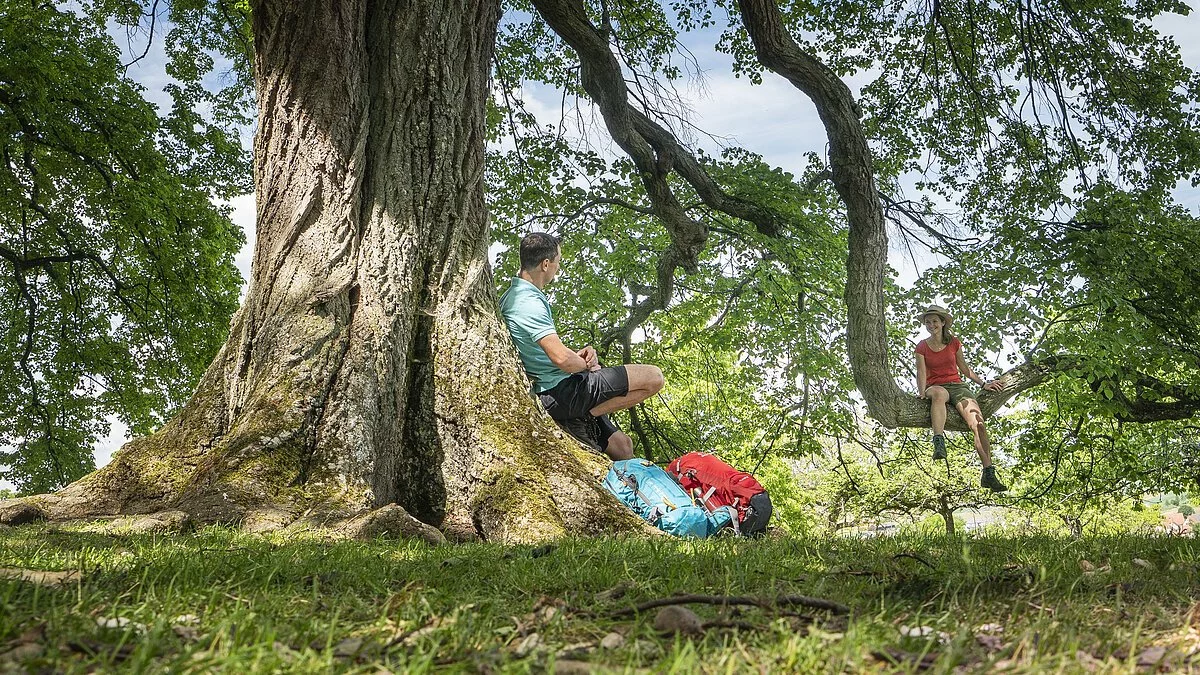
(939, 362)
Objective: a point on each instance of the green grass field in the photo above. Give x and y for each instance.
(218, 600)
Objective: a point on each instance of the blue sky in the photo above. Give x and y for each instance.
(772, 119)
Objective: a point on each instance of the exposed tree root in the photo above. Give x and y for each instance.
(390, 521)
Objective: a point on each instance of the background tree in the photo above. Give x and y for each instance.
(115, 264)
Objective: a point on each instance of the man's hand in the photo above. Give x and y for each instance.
(588, 354)
(994, 385)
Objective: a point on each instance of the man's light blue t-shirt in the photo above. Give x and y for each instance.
(527, 314)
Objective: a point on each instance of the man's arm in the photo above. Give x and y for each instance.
(560, 356)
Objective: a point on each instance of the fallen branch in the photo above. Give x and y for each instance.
(743, 625)
(914, 556)
(726, 600)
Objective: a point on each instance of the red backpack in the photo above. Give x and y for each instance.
(715, 484)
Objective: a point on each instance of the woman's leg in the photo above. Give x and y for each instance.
(938, 397)
(971, 414)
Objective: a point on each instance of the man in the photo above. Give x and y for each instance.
(572, 386)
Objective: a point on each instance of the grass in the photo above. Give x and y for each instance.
(218, 600)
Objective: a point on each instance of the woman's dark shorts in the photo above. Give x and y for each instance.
(580, 392)
(959, 392)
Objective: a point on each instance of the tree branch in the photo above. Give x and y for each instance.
(853, 176)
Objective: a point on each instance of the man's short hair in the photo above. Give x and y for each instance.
(537, 247)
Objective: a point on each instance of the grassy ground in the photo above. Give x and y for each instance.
(218, 600)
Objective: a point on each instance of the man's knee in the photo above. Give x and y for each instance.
(620, 446)
(645, 377)
(938, 394)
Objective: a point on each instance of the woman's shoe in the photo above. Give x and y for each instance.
(939, 447)
(990, 481)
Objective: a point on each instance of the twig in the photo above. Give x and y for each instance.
(724, 600)
(744, 625)
(914, 556)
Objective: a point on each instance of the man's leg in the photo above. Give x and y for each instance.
(584, 430)
(616, 443)
(644, 382)
(620, 446)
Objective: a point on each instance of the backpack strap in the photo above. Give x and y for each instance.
(733, 518)
(631, 480)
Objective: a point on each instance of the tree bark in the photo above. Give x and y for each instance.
(367, 366)
(947, 514)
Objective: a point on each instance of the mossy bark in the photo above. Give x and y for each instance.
(367, 366)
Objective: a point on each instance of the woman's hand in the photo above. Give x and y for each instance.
(994, 385)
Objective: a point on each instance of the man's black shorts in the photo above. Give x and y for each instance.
(580, 392)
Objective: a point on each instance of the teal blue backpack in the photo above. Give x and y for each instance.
(658, 499)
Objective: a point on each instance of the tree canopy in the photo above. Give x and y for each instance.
(116, 259)
(1031, 152)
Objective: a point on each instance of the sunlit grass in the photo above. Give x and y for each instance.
(219, 600)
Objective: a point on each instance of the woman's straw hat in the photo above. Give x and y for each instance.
(938, 310)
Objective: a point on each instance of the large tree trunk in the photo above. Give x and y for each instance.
(367, 366)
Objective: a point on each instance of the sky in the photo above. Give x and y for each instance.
(772, 119)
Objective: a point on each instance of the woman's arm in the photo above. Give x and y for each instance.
(965, 369)
(921, 375)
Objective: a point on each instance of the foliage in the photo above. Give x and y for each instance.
(1030, 152)
(891, 476)
(794, 510)
(117, 263)
(1102, 515)
(218, 600)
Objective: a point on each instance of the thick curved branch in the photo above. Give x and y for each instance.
(654, 150)
(668, 260)
(854, 178)
(913, 412)
(601, 76)
(23, 262)
(1139, 408)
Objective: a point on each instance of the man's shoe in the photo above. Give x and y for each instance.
(939, 447)
(583, 429)
(990, 481)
